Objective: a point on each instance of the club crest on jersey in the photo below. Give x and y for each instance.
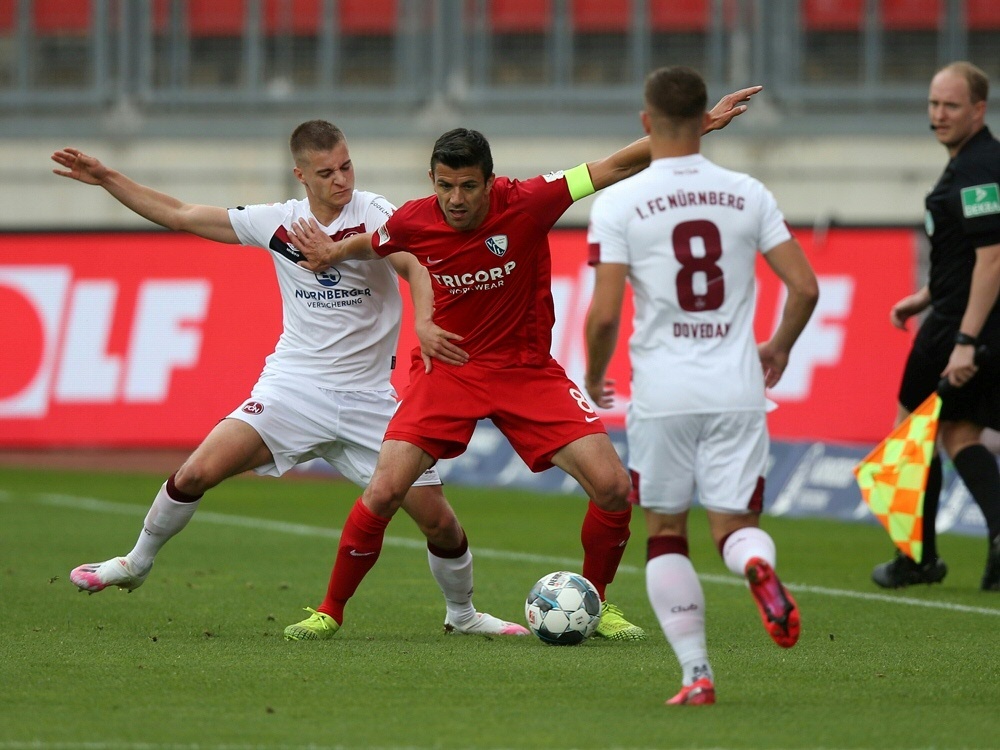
(329, 277)
(253, 407)
(497, 244)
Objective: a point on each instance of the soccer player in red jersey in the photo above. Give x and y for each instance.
(484, 241)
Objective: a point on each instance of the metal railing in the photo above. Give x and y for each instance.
(164, 56)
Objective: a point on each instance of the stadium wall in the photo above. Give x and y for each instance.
(145, 339)
(818, 181)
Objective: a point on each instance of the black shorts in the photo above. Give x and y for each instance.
(978, 401)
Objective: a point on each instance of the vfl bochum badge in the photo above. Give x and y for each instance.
(497, 244)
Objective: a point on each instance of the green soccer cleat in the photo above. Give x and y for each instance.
(615, 627)
(318, 626)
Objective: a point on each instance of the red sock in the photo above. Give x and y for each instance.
(604, 536)
(360, 545)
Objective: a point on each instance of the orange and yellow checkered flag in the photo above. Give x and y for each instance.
(893, 477)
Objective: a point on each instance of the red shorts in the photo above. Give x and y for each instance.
(538, 409)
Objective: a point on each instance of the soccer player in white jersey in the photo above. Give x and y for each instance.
(325, 391)
(685, 234)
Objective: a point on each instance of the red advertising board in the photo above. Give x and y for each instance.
(138, 339)
(843, 377)
(147, 339)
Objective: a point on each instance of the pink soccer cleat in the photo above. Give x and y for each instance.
(778, 610)
(701, 692)
(486, 624)
(117, 571)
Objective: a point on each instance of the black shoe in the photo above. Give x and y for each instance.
(991, 576)
(902, 571)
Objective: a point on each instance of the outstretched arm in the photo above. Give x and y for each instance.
(210, 222)
(729, 107)
(635, 157)
(791, 266)
(434, 341)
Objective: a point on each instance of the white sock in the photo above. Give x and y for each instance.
(679, 603)
(454, 578)
(746, 543)
(166, 517)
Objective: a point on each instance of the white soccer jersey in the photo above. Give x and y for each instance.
(341, 327)
(690, 232)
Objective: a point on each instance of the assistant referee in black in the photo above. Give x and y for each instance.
(963, 223)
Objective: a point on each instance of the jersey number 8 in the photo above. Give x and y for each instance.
(715, 287)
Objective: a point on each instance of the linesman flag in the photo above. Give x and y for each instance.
(893, 477)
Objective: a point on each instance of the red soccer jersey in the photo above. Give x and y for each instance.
(492, 285)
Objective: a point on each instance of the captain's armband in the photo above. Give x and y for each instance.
(579, 183)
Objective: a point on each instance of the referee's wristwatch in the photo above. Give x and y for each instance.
(964, 339)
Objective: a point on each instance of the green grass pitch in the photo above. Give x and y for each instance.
(195, 659)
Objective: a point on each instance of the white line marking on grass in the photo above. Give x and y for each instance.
(300, 529)
(42, 745)
(45, 745)
(846, 594)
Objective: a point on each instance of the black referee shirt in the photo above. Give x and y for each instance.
(963, 213)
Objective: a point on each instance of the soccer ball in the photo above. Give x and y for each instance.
(563, 609)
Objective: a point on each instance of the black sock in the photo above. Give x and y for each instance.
(978, 469)
(932, 497)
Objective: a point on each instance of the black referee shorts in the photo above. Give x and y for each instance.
(978, 401)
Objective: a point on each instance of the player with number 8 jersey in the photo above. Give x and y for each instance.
(690, 232)
(686, 234)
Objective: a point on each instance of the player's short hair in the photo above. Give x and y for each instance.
(677, 92)
(462, 147)
(315, 135)
(979, 82)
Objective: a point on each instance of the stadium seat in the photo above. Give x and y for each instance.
(832, 34)
(8, 16)
(355, 17)
(368, 17)
(983, 15)
(520, 16)
(518, 31)
(63, 40)
(216, 18)
(911, 15)
(204, 18)
(679, 15)
(679, 31)
(295, 17)
(600, 37)
(911, 39)
(833, 15)
(225, 18)
(601, 16)
(58, 17)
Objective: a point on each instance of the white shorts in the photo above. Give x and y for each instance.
(721, 456)
(298, 422)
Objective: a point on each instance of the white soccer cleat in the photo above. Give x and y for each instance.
(117, 571)
(486, 624)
